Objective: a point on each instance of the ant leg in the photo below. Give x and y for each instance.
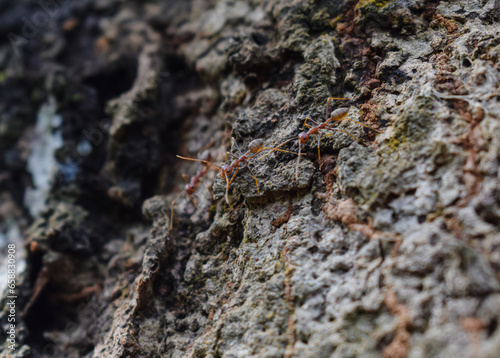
(234, 175)
(352, 120)
(272, 149)
(298, 163)
(228, 182)
(276, 148)
(279, 150)
(257, 153)
(236, 145)
(199, 160)
(308, 126)
(319, 150)
(254, 177)
(186, 178)
(192, 201)
(349, 134)
(226, 195)
(231, 154)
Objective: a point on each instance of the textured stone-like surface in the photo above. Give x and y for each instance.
(386, 247)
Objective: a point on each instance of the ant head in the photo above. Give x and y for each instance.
(256, 145)
(189, 188)
(226, 168)
(303, 137)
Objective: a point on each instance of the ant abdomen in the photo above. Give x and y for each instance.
(339, 113)
(255, 145)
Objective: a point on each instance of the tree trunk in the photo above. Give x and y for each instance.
(386, 245)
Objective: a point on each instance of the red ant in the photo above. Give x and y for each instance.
(226, 170)
(205, 157)
(337, 116)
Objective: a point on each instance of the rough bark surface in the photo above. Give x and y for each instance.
(386, 247)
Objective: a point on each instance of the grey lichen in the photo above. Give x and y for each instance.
(386, 247)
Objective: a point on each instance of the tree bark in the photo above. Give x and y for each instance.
(387, 245)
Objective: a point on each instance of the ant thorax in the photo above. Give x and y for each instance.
(234, 164)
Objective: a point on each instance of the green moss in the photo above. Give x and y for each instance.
(321, 19)
(394, 143)
(333, 22)
(372, 3)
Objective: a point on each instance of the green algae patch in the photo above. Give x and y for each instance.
(394, 143)
(415, 124)
(395, 14)
(365, 4)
